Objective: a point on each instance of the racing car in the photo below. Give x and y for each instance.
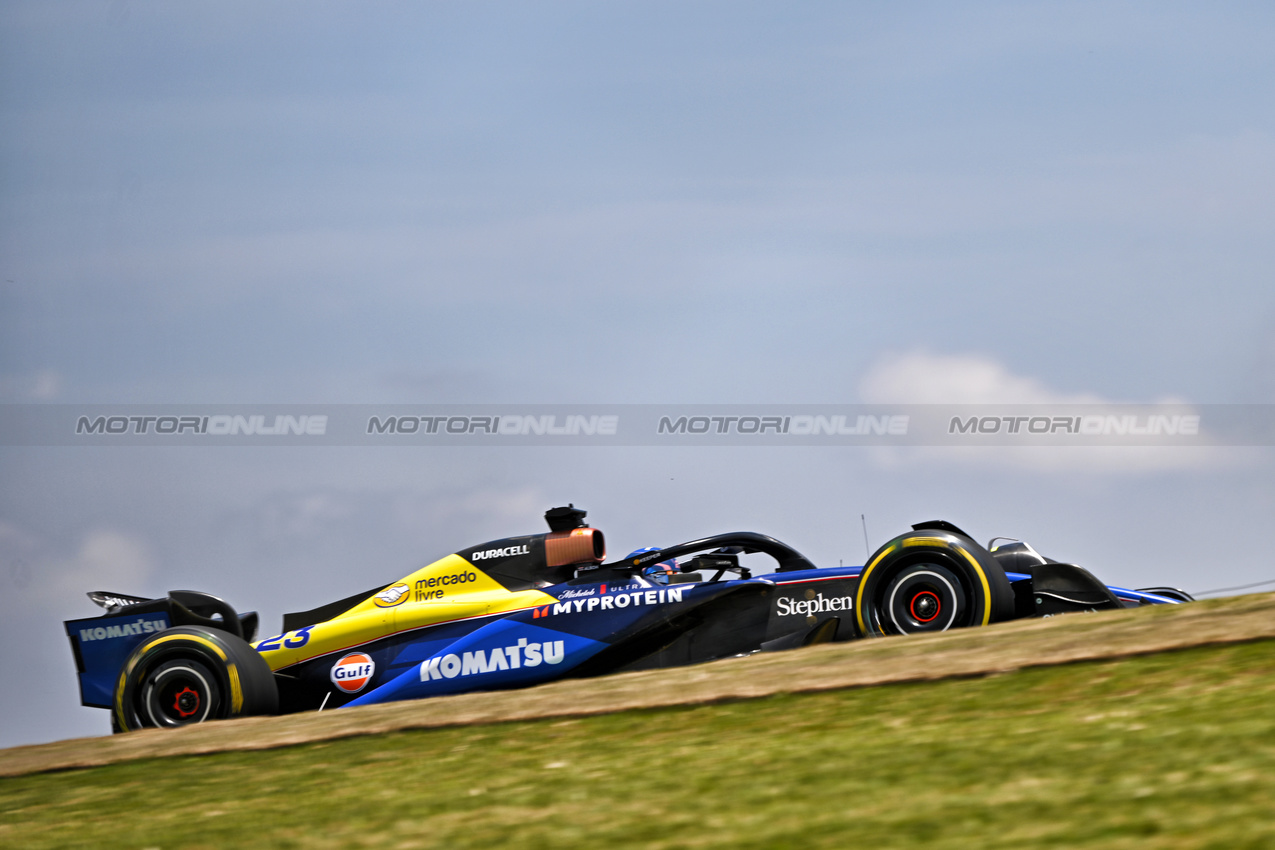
(524, 610)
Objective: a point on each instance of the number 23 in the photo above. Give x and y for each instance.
(290, 640)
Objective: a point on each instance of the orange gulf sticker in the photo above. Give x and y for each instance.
(352, 673)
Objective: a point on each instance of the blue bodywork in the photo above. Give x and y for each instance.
(101, 646)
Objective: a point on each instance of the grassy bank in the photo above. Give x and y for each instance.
(1169, 750)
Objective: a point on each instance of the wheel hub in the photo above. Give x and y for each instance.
(178, 692)
(925, 606)
(922, 597)
(186, 703)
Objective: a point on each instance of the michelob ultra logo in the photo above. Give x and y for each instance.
(352, 673)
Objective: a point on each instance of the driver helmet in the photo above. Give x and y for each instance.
(659, 572)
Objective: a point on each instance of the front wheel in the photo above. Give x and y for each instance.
(930, 581)
(923, 597)
(188, 675)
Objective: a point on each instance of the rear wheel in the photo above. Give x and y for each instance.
(931, 581)
(191, 674)
(179, 692)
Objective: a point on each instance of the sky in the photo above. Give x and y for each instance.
(620, 203)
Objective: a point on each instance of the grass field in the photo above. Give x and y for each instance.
(1169, 750)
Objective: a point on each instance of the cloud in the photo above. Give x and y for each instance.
(920, 377)
(17, 550)
(44, 385)
(107, 557)
(34, 577)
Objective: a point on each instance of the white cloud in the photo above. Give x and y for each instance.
(33, 577)
(919, 377)
(47, 385)
(44, 385)
(106, 559)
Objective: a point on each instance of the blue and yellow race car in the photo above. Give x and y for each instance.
(524, 610)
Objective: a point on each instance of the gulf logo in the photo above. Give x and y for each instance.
(352, 673)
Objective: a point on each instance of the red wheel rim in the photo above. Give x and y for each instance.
(192, 700)
(926, 598)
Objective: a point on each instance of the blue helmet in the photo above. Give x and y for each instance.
(656, 572)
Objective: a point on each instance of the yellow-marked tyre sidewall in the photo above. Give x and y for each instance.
(244, 679)
(986, 588)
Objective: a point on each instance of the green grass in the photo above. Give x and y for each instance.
(1170, 750)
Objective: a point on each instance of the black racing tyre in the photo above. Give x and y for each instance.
(931, 581)
(190, 674)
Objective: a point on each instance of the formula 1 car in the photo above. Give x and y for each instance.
(525, 610)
